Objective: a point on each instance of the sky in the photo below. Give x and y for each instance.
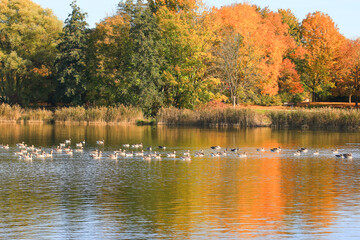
(343, 12)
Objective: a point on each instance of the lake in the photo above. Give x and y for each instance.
(266, 195)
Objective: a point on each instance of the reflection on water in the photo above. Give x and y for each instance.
(265, 196)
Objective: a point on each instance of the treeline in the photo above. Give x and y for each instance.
(164, 53)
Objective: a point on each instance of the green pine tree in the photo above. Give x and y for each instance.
(70, 62)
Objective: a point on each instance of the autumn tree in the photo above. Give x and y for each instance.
(70, 62)
(28, 36)
(347, 82)
(322, 41)
(265, 43)
(109, 59)
(187, 44)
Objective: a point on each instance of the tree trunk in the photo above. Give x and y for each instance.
(350, 98)
(356, 101)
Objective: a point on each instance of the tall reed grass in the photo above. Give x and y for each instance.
(10, 113)
(299, 118)
(213, 117)
(316, 118)
(117, 114)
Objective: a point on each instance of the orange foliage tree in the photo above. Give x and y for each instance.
(322, 41)
(348, 70)
(265, 41)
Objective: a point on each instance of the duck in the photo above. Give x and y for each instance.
(126, 145)
(68, 141)
(316, 152)
(162, 147)
(234, 149)
(335, 151)
(100, 142)
(79, 145)
(348, 155)
(6, 146)
(148, 158)
(260, 149)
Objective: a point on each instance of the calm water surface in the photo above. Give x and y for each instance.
(265, 196)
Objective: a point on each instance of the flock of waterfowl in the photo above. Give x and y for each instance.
(137, 150)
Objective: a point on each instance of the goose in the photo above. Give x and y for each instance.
(172, 155)
(96, 156)
(113, 156)
(200, 153)
(278, 149)
(49, 155)
(297, 153)
(187, 153)
(215, 147)
(139, 153)
(186, 158)
(242, 155)
(335, 151)
(100, 142)
(79, 149)
(158, 156)
(58, 149)
(129, 154)
(339, 155)
(69, 152)
(28, 157)
(303, 150)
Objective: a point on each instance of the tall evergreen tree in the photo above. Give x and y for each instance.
(147, 59)
(70, 62)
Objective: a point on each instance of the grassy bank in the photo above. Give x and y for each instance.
(101, 115)
(297, 118)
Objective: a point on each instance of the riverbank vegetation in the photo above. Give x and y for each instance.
(208, 116)
(102, 115)
(295, 118)
(170, 54)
